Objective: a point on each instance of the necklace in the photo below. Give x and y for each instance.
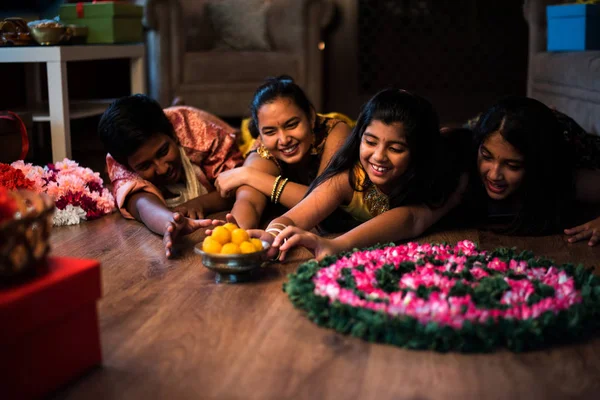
(376, 201)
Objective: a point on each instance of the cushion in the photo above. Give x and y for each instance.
(238, 67)
(574, 69)
(240, 25)
(569, 81)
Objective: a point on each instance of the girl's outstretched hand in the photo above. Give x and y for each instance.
(589, 230)
(273, 252)
(180, 225)
(293, 236)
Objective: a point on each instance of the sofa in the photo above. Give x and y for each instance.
(569, 81)
(215, 53)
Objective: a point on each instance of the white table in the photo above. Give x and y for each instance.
(59, 110)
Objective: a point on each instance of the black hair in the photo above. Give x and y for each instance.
(129, 122)
(548, 183)
(427, 179)
(274, 88)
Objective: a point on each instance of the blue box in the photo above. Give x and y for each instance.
(573, 27)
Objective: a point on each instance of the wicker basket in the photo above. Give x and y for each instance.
(24, 240)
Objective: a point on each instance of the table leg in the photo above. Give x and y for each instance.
(58, 99)
(138, 75)
(33, 83)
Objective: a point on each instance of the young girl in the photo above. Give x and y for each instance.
(294, 145)
(394, 176)
(162, 164)
(532, 165)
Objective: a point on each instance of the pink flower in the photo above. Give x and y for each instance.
(66, 165)
(32, 172)
(467, 247)
(478, 273)
(69, 184)
(440, 307)
(497, 265)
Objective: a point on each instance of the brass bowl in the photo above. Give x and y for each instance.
(49, 35)
(233, 268)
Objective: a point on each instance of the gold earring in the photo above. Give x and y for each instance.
(313, 149)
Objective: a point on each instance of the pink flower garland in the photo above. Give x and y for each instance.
(441, 307)
(77, 191)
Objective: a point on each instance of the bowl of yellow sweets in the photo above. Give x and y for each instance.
(231, 253)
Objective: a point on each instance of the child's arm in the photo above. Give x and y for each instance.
(319, 204)
(152, 212)
(249, 202)
(396, 224)
(261, 174)
(313, 209)
(203, 205)
(248, 208)
(587, 189)
(251, 174)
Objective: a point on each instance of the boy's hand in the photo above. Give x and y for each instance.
(190, 209)
(589, 230)
(178, 226)
(216, 222)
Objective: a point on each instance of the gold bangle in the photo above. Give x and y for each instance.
(275, 225)
(272, 232)
(280, 190)
(275, 188)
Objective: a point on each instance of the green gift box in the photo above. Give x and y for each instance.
(107, 22)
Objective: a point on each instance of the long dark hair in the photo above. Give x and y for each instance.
(272, 89)
(548, 183)
(423, 182)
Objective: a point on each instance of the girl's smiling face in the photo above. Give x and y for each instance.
(285, 130)
(501, 167)
(384, 154)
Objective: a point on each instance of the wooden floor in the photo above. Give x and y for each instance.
(168, 331)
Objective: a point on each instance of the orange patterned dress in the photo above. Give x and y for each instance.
(209, 143)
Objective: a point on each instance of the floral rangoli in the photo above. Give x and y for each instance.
(449, 298)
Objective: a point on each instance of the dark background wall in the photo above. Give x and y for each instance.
(461, 54)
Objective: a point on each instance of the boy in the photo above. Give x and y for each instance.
(162, 164)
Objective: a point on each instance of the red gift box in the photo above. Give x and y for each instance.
(49, 328)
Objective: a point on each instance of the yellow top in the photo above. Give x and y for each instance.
(357, 207)
(368, 201)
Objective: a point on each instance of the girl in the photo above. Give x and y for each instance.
(162, 164)
(294, 145)
(393, 176)
(532, 164)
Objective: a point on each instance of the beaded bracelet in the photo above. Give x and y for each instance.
(275, 188)
(280, 190)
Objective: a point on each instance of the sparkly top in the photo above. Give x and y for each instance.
(368, 203)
